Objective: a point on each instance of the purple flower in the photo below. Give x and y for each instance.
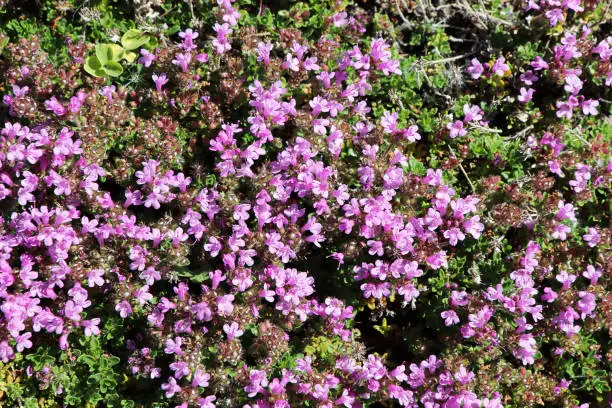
(589, 107)
(263, 52)
(91, 327)
(450, 317)
(463, 375)
(173, 346)
(539, 64)
(159, 80)
(182, 60)
(171, 387)
(437, 260)
(146, 58)
(188, 37)
(554, 16)
(500, 67)
(232, 330)
(124, 308)
(456, 129)
(560, 231)
(200, 378)
(592, 273)
(107, 92)
(475, 69)
(526, 95)
(54, 105)
(224, 305)
(221, 42)
(454, 235)
(586, 304)
(566, 279)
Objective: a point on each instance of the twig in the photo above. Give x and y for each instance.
(443, 60)
(571, 132)
(521, 132)
(463, 170)
(486, 129)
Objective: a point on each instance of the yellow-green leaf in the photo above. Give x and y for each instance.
(133, 39)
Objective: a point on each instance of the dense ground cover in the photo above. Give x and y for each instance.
(305, 204)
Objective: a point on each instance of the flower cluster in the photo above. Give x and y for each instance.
(273, 216)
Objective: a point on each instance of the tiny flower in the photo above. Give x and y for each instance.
(450, 317)
(500, 67)
(475, 69)
(232, 330)
(146, 58)
(124, 308)
(589, 107)
(456, 129)
(159, 80)
(592, 237)
(526, 95)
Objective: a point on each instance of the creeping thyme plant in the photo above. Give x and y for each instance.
(330, 203)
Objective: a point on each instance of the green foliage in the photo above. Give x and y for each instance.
(106, 61)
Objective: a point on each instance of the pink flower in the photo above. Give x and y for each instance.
(475, 69)
(232, 330)
(560, 231)
(526, 95)
(224, 305)
(188, 37)
(566, 211)
(182, 60)
(566, 279)
(500, 67)
(549, 295)
(146, 58)
(589, 107)
(592, 273)
(456, 129)
(173, 346)
(263, 52)
(124, 308)
(586, 304)
(539, 64)
(171, 387)
(54, 105)
(450, 317)
(592, 237)
(463, 375)
(555, 16)
(437, 260)
(200, 378)
(159, 80)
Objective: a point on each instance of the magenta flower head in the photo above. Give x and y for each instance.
(55, 106)
(232, 330)
(475, 69)
(159, 80)
(188, 37)
(182, 60)
(146, 58)
(500, 67)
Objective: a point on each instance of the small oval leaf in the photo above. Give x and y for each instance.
(93, 66)
(133, 39)
(113, 68)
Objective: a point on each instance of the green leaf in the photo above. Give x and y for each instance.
(104, 53)
(129, 56)
(93, 66)
(133, 39)
(87, 359)
(113, 68)
(30, 403)
(3, 43)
